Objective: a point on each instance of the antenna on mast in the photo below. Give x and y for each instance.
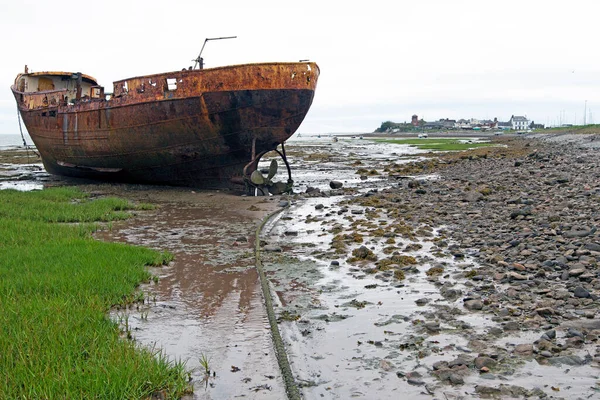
(200, 60)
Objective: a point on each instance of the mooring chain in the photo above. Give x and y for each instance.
(23, 136)
(286, 371)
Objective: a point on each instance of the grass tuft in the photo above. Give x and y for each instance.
(57, 285)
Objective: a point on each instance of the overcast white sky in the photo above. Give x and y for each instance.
(379, 59)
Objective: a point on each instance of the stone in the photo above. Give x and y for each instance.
(440, 365)
(336, 184)
(422, 301)
(272, 248)
(487, 362)
(576, 271)
(473, 304)
(433, 326)
(524, 349)
(511, 275)
(544, 311)
(567, 360)
(583, 232)
(581, 293)
(511, 326)
(551, 334)
(592, 246)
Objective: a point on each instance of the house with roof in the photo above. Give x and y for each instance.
(505, 126)
(518, 123)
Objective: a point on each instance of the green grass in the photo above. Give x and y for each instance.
(57, 285)
(438, 144)
(581, 129)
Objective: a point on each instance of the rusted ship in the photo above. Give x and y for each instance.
(195, 127)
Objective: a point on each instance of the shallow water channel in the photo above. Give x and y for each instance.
(207, 304)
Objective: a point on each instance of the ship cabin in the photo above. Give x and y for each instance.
(52, 88)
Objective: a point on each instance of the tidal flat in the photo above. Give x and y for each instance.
(397, 272)
(451, 275)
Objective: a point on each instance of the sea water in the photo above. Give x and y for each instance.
(12, 140)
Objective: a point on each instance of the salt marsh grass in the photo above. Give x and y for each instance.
(57, 285)
(439, 144)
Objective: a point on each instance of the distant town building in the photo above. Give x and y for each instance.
(533, 125)
(506, 126)
(415, 120)
(519, 123)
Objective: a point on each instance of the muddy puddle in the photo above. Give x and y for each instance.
(207, 304)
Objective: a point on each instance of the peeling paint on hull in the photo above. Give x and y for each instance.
(192, 127)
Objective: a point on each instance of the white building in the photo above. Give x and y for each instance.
(519, 123)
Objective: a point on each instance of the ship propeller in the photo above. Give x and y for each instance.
(258, 179)
(265, 183)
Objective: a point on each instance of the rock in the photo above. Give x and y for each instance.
(386, 365)
(525, 349)
(336, 184)
(567, 360)
(576, 271)
(511, 326)
(574, 342)
(414, 378)
(473, 304)
(319, 207)
(334, 263)
(592, 246)
(550, 335)
(433, 326)
(415, 381)
(481, 362)
(582, 324)
(574, 333)
(440, 365)
(522, 212)
(581, 293)
(272, 248)
(519, 267)
(544, 311)
(515, 276)
(283, 203)
(422, 301)
(579, 232)
(472, 196)
(413, 184)
(456, 379)
(363, 253)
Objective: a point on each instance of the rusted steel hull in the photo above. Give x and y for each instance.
(193, 127)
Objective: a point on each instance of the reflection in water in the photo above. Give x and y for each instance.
(207, 303)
